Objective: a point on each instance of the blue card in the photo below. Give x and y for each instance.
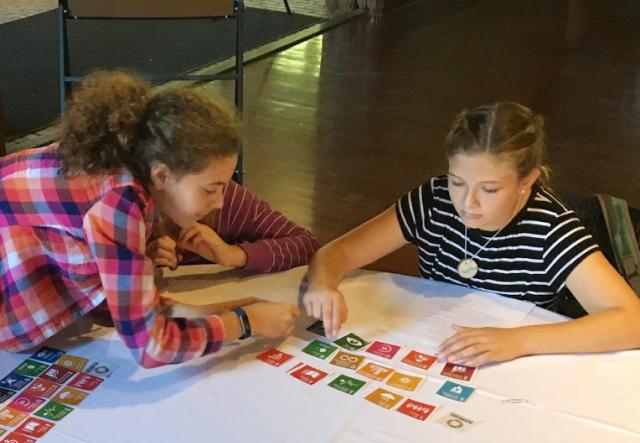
(455, 391)
(47, 355)
(15, 381)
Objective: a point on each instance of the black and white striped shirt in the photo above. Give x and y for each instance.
(529, 260)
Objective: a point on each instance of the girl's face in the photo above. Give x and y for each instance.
(486, 191)
(187, 199)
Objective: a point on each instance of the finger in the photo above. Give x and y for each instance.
(337, 317)
(468, 333)
(459, 345)
(479, 360)
(317, 309)
(167, 256)
(467, 353)
(166, 242)
(308, 306)
(187, 234)
(162, 262)
(327, 316)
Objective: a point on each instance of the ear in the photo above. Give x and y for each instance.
(160, 174)
(530, 179)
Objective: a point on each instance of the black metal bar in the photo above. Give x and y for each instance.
(63, 54)
(286, 5)
(239, 71)
(183, 77)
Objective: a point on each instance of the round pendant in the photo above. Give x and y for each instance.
(467, 268)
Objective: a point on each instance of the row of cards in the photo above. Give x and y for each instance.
(376, 372)
(44, 389)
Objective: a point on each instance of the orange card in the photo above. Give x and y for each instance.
(404, 381)
(11, 417)
(384, 398)
(42, 388)
(70, 396)
(374, 371)
(419, 360)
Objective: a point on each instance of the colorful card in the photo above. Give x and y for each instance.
(26, 403)
(70, 396)
(103, 370)
(54, 411)
(47, 355)
(375, 371)
(384, 398)
(42, 388)
(15, 382)
(346, 384)
(404, 381)
(317, 328)
(346, 360)
(456, 422)
(455, 391)
(34, 427)
(31, 368)
(11, 417)
(416, 409)
(419, 360)
(460, 372)
(73, 362)
(85, 382)
(274, 357)
(351, 342)
(57, 374)
(382, 349)
(309, 374)
(14, 437)
(2, 431)
(319, 349)
(6, 394)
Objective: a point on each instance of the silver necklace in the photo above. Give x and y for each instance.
(468, 267)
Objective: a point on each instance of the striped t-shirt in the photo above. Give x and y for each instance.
(529, 259)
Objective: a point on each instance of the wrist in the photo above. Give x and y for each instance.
(238, 256)
(232, 326)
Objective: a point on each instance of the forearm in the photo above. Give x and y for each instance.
(609, 330)
(328, 267)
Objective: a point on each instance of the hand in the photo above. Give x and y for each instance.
(477, 346)
(272, 320)
(162, 252)
(204, 241)
(327, 305)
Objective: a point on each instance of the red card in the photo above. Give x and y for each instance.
(309, 374)
(419, 360)
(35, 427)
(14, 437)
(26, 403)
(274, 357)
(41, 387)
(85, 381)
(57, 374)
(416, 409)
(461, 372)
(382, 349)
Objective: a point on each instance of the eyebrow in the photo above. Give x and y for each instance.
(216, 183)
(451, 174)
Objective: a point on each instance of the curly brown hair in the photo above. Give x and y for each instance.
(115, 122)
(503, 128)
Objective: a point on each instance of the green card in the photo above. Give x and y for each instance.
(347, 384)
(319, 349)
(31, 368)
(54, 411)
(351, 342)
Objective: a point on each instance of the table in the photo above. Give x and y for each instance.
(233, 397)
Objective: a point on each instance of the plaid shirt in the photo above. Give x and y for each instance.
(67, 245)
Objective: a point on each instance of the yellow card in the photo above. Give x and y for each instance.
(346, 360)
(404, 381)
(384, 398)
(72, 362)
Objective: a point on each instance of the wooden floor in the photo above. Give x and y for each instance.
(340, 126)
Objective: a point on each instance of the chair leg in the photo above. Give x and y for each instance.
(286, 5)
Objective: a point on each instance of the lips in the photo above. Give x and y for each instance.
(471, 216)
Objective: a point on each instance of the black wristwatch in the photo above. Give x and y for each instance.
(244, 322)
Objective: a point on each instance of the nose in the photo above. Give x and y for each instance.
(471, 200)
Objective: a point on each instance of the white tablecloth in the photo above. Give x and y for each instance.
(233, 397)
